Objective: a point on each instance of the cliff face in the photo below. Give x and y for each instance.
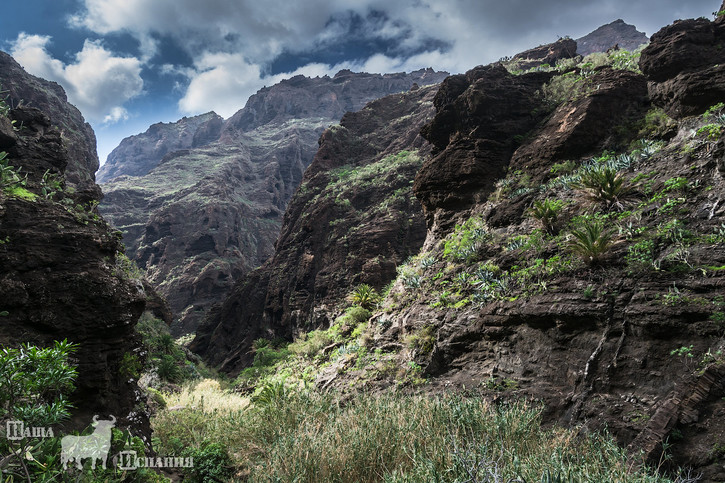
(204, 216)
(617, 33)
(49, 97)
(573, 252)
(60, 275)
(352, 221)
(137, 155)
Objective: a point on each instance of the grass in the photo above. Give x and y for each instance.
(396, 437)
(206, 396)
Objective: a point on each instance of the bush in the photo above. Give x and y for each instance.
(311, 344)
(211, 463)
(606, 185)
(365, 296)
(547, 212)
(591, 241)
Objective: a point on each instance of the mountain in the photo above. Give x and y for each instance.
(618, 33)
(200, 201)
(62, 273)
(49, 97)
(137, 155)
(572, 255)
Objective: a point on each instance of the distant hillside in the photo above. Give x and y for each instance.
(618, 33)
(200, 201)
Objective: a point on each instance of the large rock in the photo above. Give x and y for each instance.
(23, 89)
(684, 64)
(352, 221)
(202, 217)
(477, 118)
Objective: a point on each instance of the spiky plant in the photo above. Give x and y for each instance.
(547, 212)
(607, 186)
(591, 240)
(365, 296)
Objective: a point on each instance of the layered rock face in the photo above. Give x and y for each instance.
(137, 155)
(206, 215)
(617, 33)
(352, 221)
(59, 272)
(49, 97)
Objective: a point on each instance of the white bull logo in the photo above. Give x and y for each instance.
(95, 445)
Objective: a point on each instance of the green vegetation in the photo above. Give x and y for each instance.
(591, 241)
(546, 211)
(34, 384)
(605, 185)
(466, 241)
(307, 436)
(365, 296)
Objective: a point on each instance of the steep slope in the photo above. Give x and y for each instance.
(61, 275)
(352, 221)
(618, 33)
(573, 255)
(22, 89)
(204, 216)
(137, 155)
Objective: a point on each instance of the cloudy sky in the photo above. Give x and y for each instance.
(129, 63)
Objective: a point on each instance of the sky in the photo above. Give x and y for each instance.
(127, 64)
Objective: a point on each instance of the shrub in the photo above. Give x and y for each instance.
(546, 211)
(606, 185)
(168, 369)
(591, 240)
(311, 344)
(365, 296)
(34, 383)
(9, 175)
(211, 463)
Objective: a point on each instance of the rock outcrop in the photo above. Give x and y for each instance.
(22, 89)
(137, 155)
(685, 63)
(617, 33)
(204, 216)
(60, 276)
(353, 221)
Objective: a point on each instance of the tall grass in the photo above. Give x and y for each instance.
(396, 438)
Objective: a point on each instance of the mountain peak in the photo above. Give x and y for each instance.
(618, 32)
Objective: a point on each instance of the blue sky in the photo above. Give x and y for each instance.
(127, 64)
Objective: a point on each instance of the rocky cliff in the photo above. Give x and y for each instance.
(205, 215)
(573, 255)
(49, 97)
(60, 272)
(353, 221)
(617, 33)
(137, 155)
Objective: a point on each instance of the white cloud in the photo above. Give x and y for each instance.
(98, 83)
(117, 114)
(232, 43)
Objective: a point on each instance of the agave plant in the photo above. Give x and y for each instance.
(365, 296)
(591, 241)
(607, 186)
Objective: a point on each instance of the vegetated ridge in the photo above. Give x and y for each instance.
(200, 201)
(573, 255)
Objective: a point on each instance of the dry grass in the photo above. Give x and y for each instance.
(206, 396)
